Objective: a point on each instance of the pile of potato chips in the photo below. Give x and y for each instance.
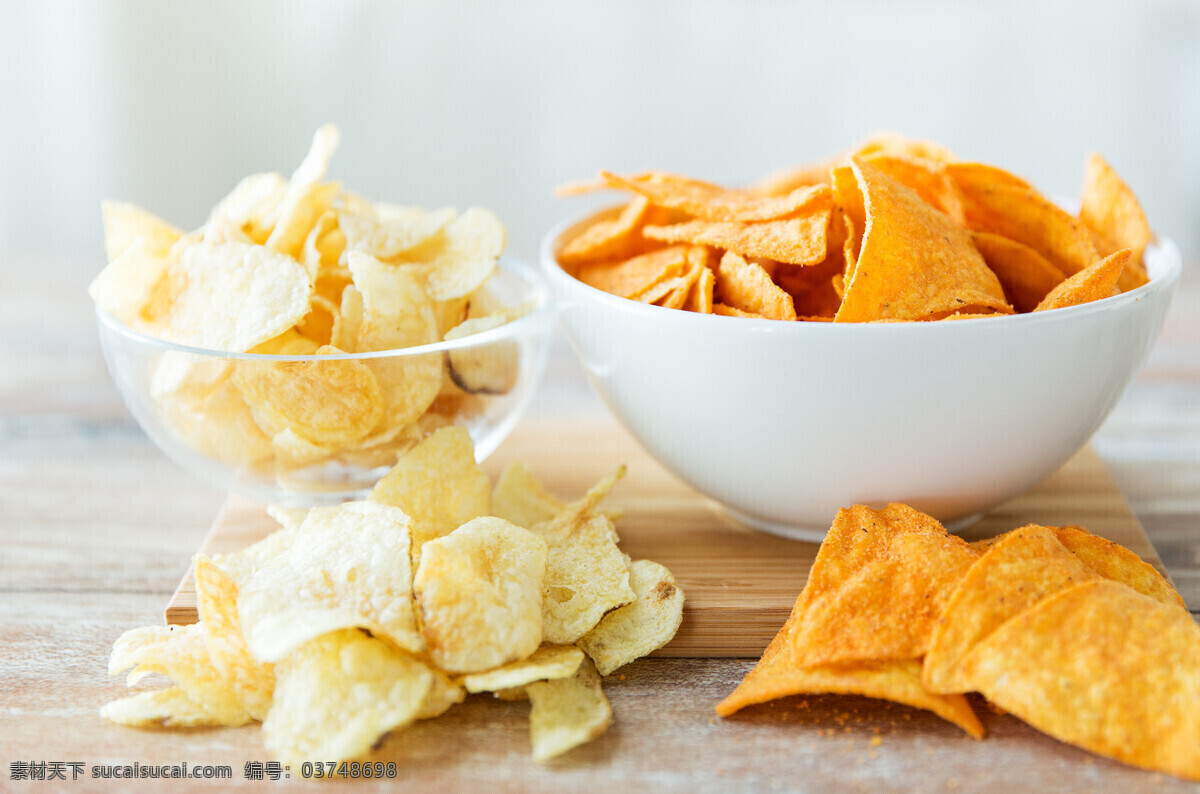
(895, 230)
(1072, 633)
(356, 620)
(302, 267)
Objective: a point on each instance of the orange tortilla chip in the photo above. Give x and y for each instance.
(915, 261)
(878, 586)
(613, 238)
(928, 178)
(713, 203)
(798, 241)
(1114, 561)
(1104, 668)
(995, 201)
(700, 297)
(747, 286)
(1026, 276)
(783, 182)
(1020, 569)
(892, 143)
(1090, 284)
(729, 311)
(1110, 209)
(635, 276)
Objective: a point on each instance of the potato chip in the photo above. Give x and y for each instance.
(915, 261)
(125, 287)
(326, 402)
(181, 655)
(518, 497)
(1026, 276)
(1110, 209)
(586, 573)
(252, 207)
(567, 712)
(463, 255)
(344, 334)
(299, 212)
(747, 286)
(233, 296)
(1114, 561)
(252, 682)
(443, 694)
(318, 324)
(338, 694)
(397, 313)
(320, 252)
(798, 240)
(479, 590)
(217, 424)
(1019, 570)
(877, 587)
(1006, 206)
(485, 369)
(546, 663)
(345, 566)
(712, 203)
(388, 238)
(1104, 668)
(607, 239)
(158, 708)
(635, 276)
(636, 629)
(438, 485)
(125, 223)
(1090, 284)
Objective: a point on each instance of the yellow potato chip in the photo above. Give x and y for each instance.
(388, 238)
(1020, 569)
(546, 663)
(997, 202)
(438, 485)
(712, 203)
(397, 313)
(345, 566)
(339, 694)
(1026, 276)
(1110, 209)
(125, 223)
(1090, 284)
(318, 324)
(608, 239)
(443, 694)
(251, 207)
(344, 334)
(798, 240)
(216, 604)
(462, 256)
(126, 286)
(485, 369)
(636, 629)
(518, 497)
(158, 708)
(586, 573)
(182, 656)
(635, 276)
(877, 587)
(326, 402)
(217, 423)
(322, 247)
(1102, 667)
(915, 261)
(1114, 561)
(299, 212)
(233, 296)
(567, 712)
(747, 286)
(479, 590)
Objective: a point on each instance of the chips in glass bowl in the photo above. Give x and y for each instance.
(294, 346)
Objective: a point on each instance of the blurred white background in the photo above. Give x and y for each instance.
(167, 104)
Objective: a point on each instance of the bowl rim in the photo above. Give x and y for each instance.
(1166, 273)
(540, 296)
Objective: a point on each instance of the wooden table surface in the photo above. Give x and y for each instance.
(96, 528)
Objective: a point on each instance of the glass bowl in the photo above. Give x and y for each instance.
(232, 418)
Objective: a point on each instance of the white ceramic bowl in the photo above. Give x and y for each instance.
(784, 423)
(206, 426)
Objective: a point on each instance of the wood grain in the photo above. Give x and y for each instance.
(740, 583)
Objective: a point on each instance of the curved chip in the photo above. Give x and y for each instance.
(567, 712)
(636, 629)
(1090, 284)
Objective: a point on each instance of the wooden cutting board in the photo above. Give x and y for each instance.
(740, 583)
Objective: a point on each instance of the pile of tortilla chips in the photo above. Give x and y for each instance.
(895, 230)
(1072, 633)
(302, 267)
(354, 621)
